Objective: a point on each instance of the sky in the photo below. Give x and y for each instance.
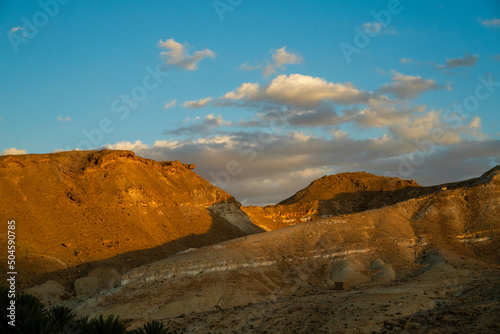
(263, 96)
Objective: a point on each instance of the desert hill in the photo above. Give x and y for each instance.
(75, 211)
(152, 240)
(429, 262)
(346, 186)
(340, 194)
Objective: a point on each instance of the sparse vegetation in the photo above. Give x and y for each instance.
(32, 317)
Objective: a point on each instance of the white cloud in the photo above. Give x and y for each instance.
(126, 145)
(307, 90)
(297, 89)
(170, 104)
(476, 123)
(197, 103)
(64, 119)
(178, 55)
(13, 151)
(408, 86)
(491, 23)
(250, 91)
(281, 57)
(406, 60)
(14, 29)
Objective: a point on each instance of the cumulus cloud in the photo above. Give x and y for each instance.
(300, 130)
(197, 103)
(298, 89)
(13, 151)
(177, 54)
(408, 86)
(170, 104)
(491, 23)
(280, 58)
(64, 119)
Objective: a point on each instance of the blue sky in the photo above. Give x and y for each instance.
(264, 96)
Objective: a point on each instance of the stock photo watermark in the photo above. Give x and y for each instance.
(11, 272)
(223, 6)
(24, 33)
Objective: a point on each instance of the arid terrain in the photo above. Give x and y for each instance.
(109, 232)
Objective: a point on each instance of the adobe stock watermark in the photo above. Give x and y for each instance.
(223, 6)
(455, 116)
(30, 28)
(363, 37)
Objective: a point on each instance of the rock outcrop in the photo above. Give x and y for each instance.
(80, 210)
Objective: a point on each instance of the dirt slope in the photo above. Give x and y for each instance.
(75, 211)
(405, 261)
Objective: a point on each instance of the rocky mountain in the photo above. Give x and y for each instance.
(351, 253)
(412, 257)
(76, 211)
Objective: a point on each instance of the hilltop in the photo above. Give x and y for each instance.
(75, 211)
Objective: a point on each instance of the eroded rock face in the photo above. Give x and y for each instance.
(231, 211)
